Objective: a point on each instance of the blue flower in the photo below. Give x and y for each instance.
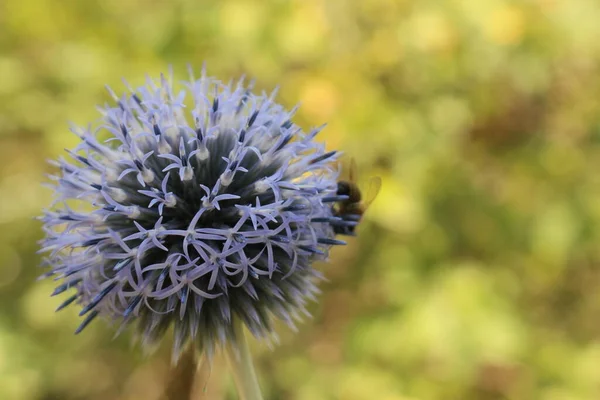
(189, 209)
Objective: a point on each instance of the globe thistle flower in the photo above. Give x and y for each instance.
(190, 209)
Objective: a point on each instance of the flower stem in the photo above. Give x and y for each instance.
(181, 377)
(240, 362)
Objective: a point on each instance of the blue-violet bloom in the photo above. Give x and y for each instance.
(191, 208)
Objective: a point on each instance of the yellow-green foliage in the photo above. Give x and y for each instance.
(476, 274)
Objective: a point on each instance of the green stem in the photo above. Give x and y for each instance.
(240, 362)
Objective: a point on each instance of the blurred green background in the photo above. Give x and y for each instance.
(476, 274)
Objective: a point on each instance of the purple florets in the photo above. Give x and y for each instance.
(189, 209)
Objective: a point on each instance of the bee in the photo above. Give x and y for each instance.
(353, 208)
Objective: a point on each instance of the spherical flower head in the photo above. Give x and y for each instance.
(189, 209)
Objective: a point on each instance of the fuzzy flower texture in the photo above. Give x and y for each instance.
(190, 209)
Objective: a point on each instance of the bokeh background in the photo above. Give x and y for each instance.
(476, 274)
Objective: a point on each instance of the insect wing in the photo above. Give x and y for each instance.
(373, 188)
(369, 188)
(348, 170)
(352, 171)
